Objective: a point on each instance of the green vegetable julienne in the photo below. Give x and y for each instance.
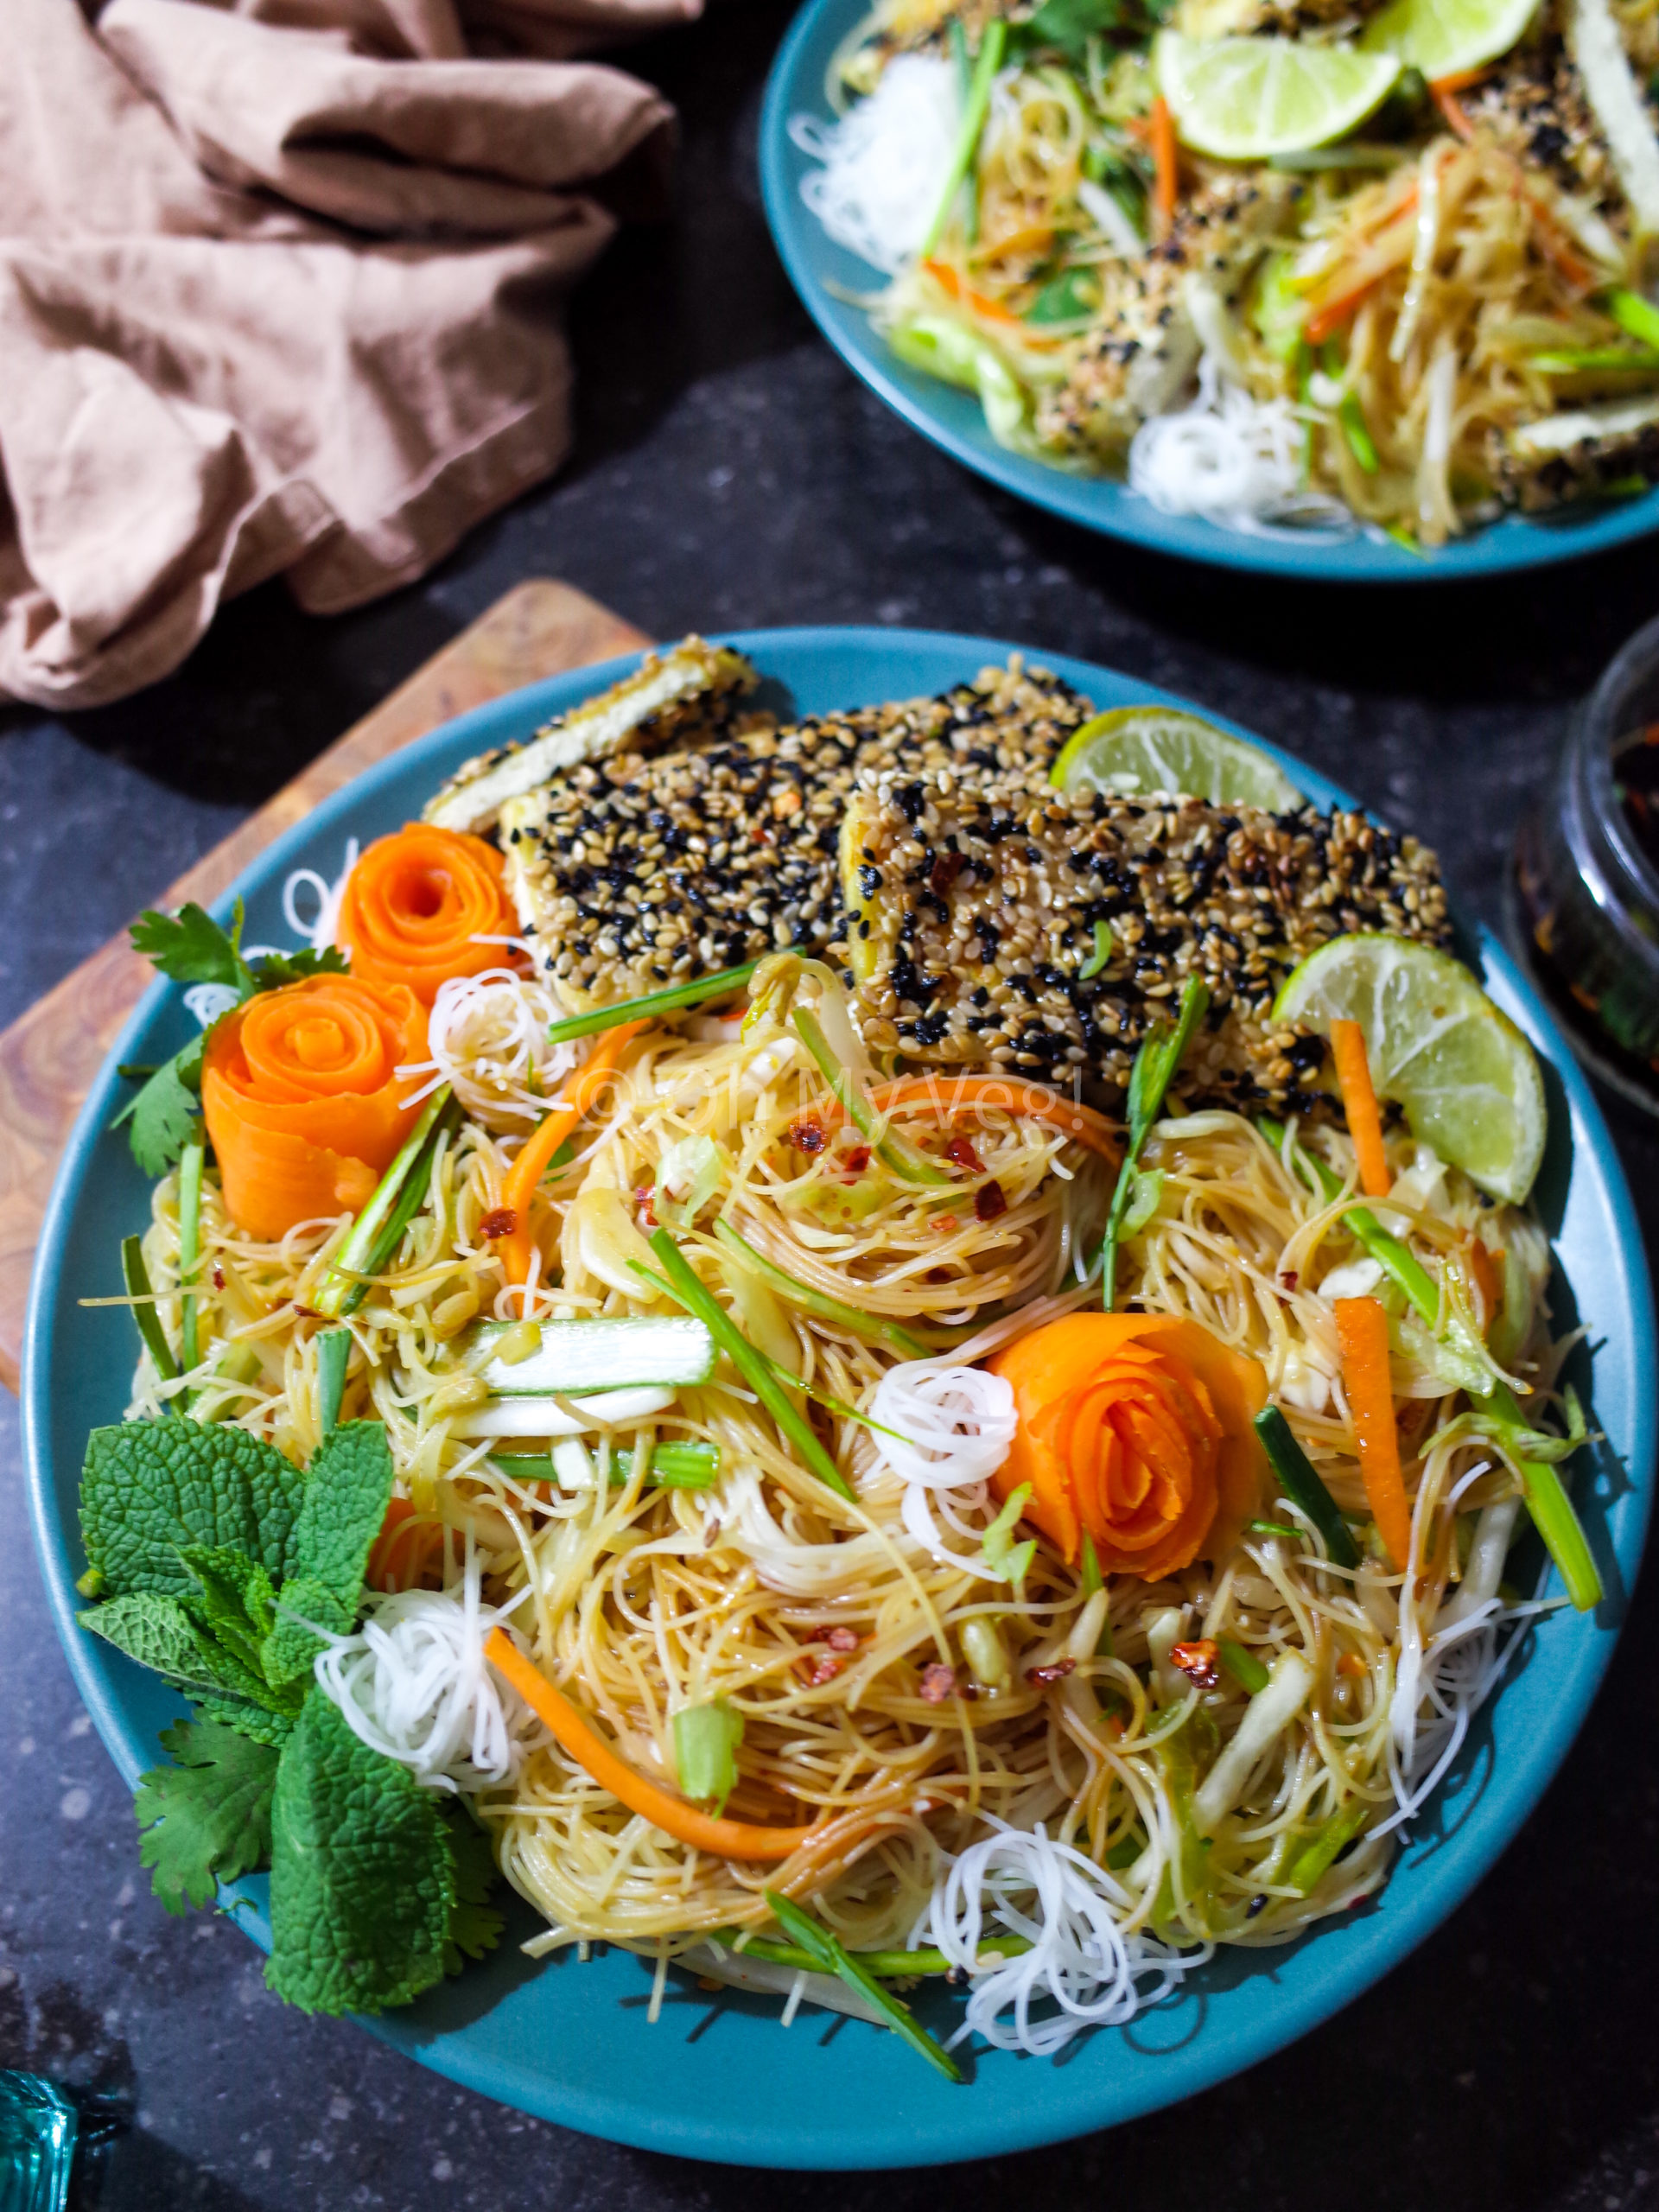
(871, 1326)
(207, 1818)
(333, 1357)
(378, 1229)
(705, 1737)
(135, 1275)
(1154, 1070)
(149, 1487)
(652, 1004)
(1299, 1480)
(829, 1956)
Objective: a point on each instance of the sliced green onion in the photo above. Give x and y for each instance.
(378, 1229)
(1632, 313)
(705, 1737)
(653, 1003)
(688, 1465)
(870, 1326)
(609, 1351)
(1244, 1666)
(1093, 1580)
(1001, 1555)
(1574, 360)
(679, 1280)
(988, 62)
(1275, 1529)
(1155, 1066)
(829, 1956)
(1299, 1480)
(334, 1352)
(829, 1401)
(890, 1966)
(1307, 1868)
(1102, 953)
(1552, 1509)
(1352, 416)
(191, 1160)
(135, 1275)
(894, 1152)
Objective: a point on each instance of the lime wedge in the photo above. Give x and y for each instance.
(1135, 749)
(1247, 99)
(1445, 37)
(1465, 1077)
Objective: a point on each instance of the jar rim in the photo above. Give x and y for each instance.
(1604, 723)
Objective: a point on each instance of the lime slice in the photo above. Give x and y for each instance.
(1135, 749)
(1246, 98)
(1465, 1076)
(1445, 37)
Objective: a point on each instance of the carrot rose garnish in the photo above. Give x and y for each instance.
(302, 1099)
(1135, 1427)
(415, 905)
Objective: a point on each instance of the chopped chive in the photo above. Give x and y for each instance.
(135, 1275)
(705, 1737)
(988, 62)
(1275, 1529)
(1244, 1666)
(191, 1160)
(829, 1956)
(680, 1281)
(1102, 953)
(1155, 1066)
(653, 1002)
(890, 1966)
(871, 1326)
(379, 1229)
(894, 1152)
(334, 1351)
(1300, 1482)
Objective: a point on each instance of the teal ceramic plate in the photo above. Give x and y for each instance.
(718, 2078)
(824, 273)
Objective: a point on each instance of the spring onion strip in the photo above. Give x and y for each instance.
(1632, 313)
(870, 1326)
(1552, 1509)
(379, 1229)
(972, 122)
(1299, 1480)
(1268, 1714)
(689, 1466)
(652, 1004)
(135, 1275)
(191, 1160)
(830, 1403)
(1154, 1070)
(831, 1957)
(890, 1966)
(1244, 1666)
(1307, 1868)
(679, 1280)
(894, 1152)
(334, 1351)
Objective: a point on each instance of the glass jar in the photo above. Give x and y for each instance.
(1587, 877)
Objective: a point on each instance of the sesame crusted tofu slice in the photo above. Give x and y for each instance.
(1146, 343)
(1540, 465)
(973, 911)
(637, 871)
(671, 698)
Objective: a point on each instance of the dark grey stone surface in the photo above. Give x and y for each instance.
(730, 473)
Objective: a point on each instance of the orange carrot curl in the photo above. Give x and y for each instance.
(1363, 1336)
(584, 1089)
(701, 1831)
(1359, 1103)
(416, 905)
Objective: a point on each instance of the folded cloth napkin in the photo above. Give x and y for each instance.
(281, 291)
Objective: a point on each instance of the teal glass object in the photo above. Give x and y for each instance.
(718, 2078)
(40, 2126)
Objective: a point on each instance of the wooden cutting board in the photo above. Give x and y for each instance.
(50, 1055)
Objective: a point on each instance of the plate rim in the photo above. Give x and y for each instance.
(1516, 545)
(993, 2129)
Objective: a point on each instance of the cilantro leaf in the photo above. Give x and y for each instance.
(475, 1924)
(362, 1873)
(272, 969)
(154, 1628)
(165, 1112)
(152, 1488)
(206, 1818)
(191, 948)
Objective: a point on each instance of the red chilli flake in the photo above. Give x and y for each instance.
(807, 1136)
(1288, 1278)
(989, 1200)
(946, 869)
(218, 1276)
(816, 1672)
(960, 1149)
(857, 1159)
(938, 1682)
(1200, 1662)
(500, 1221)
(1040, 1677)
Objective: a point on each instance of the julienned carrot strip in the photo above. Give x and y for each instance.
(1362, 1335)
(1166, 175)
(1359, 1103)
(517, 1248)
(1451, 107)
(1328, 319)
(947, 278)
(701, 1831)
(1006, 1094)
(1461, 80)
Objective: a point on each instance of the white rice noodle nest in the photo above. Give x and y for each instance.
(1232, 459)
(318, 929)
(487, 1036)
(883, 165)
(956, 1424)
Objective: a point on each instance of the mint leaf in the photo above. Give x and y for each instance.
(475, 1924)
(191, 948)
(362, 1873)
(151, 1490)
(154, 1628)
(272, 969)
(259, 1723)
(206, 1818)
(166, 1112)
(287, 1652)
(347, 1489)
(233, 1598)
